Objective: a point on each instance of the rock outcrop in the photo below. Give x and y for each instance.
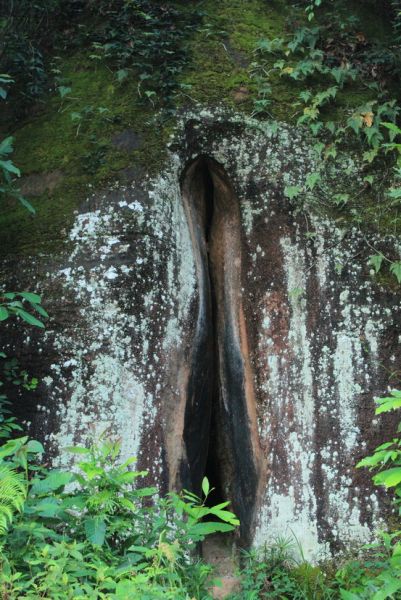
(217, 327)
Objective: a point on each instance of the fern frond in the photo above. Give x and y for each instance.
(13, 491)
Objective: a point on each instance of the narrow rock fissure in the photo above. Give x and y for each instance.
(213, 460)
(220, 431)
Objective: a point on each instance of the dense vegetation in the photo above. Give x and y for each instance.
(73, 72)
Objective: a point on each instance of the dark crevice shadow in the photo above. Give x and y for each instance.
(220, 432)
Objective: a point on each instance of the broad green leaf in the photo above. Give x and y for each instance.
(392, 585)
(4, 314)
(225, 515)
(54, 481)
(371, 461)
(376, 261)
(95, 529)
(35, 447)
(388, 478)
(208, 527)
(391, 404)
(147, 491)
(205, 486)
(29, 318)
(48, 507)
(121, 74)
(340, 199)
(395, 269)
(35, 298)
(125, 590)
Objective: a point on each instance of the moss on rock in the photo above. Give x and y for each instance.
(74, 134)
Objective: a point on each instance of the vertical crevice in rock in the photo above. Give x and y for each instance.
(220, 426)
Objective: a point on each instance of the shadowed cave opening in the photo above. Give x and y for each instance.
(213, 460)
(218, 432)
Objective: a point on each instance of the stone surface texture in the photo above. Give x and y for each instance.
(124, 295)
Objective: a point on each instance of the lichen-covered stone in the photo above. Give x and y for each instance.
(322, 335)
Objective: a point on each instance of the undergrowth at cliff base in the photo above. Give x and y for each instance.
(95, 533)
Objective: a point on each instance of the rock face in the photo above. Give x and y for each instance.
(214, 328)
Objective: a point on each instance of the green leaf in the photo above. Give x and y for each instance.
(29, 318)
(35, 447)
(35, 298)
(208, 527)
(95, 529)
(147, 491)
(121, 74)
(376, 261)
(26, 204)
(48, 507)
(388, 478)
(292, 191)
(75, 116)
(331, 126)
(371, 461)
(388, 403)
(8, 165)
(63, 90)
(340, 199)
(392, 127)
(6, 145)
(54, 481)
(4, 314)
(312, 180)
(392, 585)
(395, 269)
(205, 486)
(40, 310)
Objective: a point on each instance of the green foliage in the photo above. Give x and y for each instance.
(12, 494)
(14, 304)
(274, 572)
(8, 169)
(14, 457)
(387, 454)
(95, 533)
(326, 61)
(8, 172)
(378, 575)
(137, 37)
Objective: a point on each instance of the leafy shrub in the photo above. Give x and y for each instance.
(274, 572)
(378, 576)
(96, 534)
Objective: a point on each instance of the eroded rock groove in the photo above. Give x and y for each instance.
(220, 430)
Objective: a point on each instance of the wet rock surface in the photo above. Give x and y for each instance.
(305, 335)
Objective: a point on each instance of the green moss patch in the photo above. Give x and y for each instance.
(74, 135)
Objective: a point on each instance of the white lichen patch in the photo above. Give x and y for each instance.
(330, 366)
